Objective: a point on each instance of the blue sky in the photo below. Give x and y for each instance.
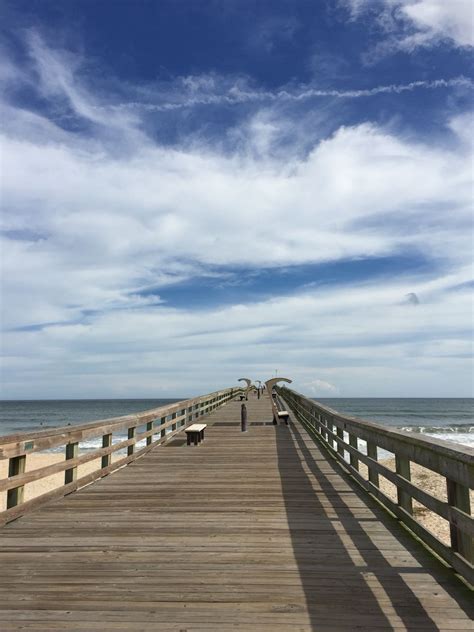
(192, 191)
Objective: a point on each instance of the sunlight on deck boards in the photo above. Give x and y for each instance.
(248, 531)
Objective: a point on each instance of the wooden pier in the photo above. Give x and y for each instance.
(255, 531)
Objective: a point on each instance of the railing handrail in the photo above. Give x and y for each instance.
(464, 454)
(10, 445)
(454, 463)
(172, 418)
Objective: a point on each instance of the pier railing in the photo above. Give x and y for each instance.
(344, 436)
(150, 428)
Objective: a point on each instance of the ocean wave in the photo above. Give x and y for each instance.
(446, 429)
(96, 443)
(411, 414)
(459, 438)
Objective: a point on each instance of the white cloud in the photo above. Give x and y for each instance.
(320, 387)
(429, 21)
(359, 339)
(89, 226)
(438, 18)
(109, 226)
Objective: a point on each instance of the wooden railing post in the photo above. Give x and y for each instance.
(340, 447)
(353, 459)
(372, 452)
(330, 427)
(72, 452)
(452, 462)
(149, 427)
(16, 465)
(320, 419)
(131, 435)
(69, 438)
(458, 496)
(402, 466)
(106, 443)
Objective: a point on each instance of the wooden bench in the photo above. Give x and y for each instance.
(283, 415)
(195, 433)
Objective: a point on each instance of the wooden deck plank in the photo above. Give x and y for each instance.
(269, 536)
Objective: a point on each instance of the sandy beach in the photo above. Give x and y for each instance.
(431, 483)
(425, 479)
(35, 461)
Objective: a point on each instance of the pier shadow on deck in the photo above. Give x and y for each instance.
(254, 532)
(360, 570)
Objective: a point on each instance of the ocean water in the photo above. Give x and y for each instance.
(449, 419)
(25, 416)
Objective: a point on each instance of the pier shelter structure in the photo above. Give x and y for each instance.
(269, 530)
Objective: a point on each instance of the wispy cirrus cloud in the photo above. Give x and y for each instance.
(238, 94)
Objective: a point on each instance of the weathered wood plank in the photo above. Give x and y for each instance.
(275, 538)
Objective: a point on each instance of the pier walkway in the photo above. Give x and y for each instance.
(255, 531)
